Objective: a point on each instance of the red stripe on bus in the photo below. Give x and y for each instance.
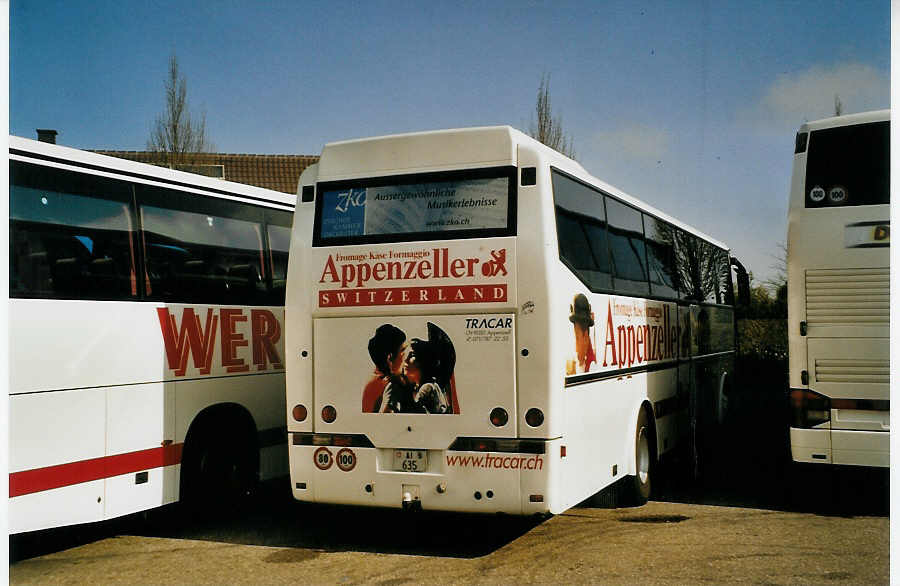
(40, 479)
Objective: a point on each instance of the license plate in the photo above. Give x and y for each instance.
(410, 460)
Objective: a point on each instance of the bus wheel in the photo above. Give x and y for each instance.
(219, 470)
(643, 459)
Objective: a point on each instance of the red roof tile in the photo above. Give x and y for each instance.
(276, 172)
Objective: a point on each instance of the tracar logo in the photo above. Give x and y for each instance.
(198, 339)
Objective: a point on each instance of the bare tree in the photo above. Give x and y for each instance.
(778, 278)
(548, 128)
(175, 133)
(838, 105)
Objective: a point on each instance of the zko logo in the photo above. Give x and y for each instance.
(352, 198)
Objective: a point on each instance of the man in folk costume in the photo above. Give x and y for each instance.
(582, 319)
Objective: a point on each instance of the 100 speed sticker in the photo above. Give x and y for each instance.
(323, 458)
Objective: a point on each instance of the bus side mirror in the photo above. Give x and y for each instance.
(743, 284)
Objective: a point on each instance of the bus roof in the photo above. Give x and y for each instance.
(461, 148)
(53, 153)
(848, 120)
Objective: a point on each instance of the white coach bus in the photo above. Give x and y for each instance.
(474, 323)
(839, 238)
(145, 336)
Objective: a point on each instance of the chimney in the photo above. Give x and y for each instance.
(47, 135)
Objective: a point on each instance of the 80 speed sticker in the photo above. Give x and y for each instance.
(323, 459)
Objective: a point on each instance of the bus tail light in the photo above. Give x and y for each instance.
(499, 416)
(809, 409)
(329, 414)
(861, 404)
(534, 417)
(299, 413)
(331, 439)
(483, 444)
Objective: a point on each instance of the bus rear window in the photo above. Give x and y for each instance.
(460, 204)
(849, 166)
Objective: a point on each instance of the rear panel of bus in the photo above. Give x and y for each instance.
(839, 293)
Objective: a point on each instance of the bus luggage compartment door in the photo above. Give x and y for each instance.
(386, 378)
(855, 377)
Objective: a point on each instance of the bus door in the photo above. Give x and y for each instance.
(687, 398)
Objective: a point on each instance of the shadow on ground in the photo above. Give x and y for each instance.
(744, 463)
(275, 519)
(746, 468)
(278, 520)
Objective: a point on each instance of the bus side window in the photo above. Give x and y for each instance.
(581, 231)
(71, 235)
(724, 293)
(626, 243)
(700, 269)
(279, 245)
(582, 244)
(661, 261)
(203, 256)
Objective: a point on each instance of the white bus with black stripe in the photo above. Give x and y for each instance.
(839, 236)
(475, 323)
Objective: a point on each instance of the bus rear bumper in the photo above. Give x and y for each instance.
(454, 481)
(842, 447)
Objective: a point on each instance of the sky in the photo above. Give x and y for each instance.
(691, 107)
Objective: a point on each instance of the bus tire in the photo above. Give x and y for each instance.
(220, 467)
(641, 482)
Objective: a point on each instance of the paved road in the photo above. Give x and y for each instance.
(737, 523)
(280, 541)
